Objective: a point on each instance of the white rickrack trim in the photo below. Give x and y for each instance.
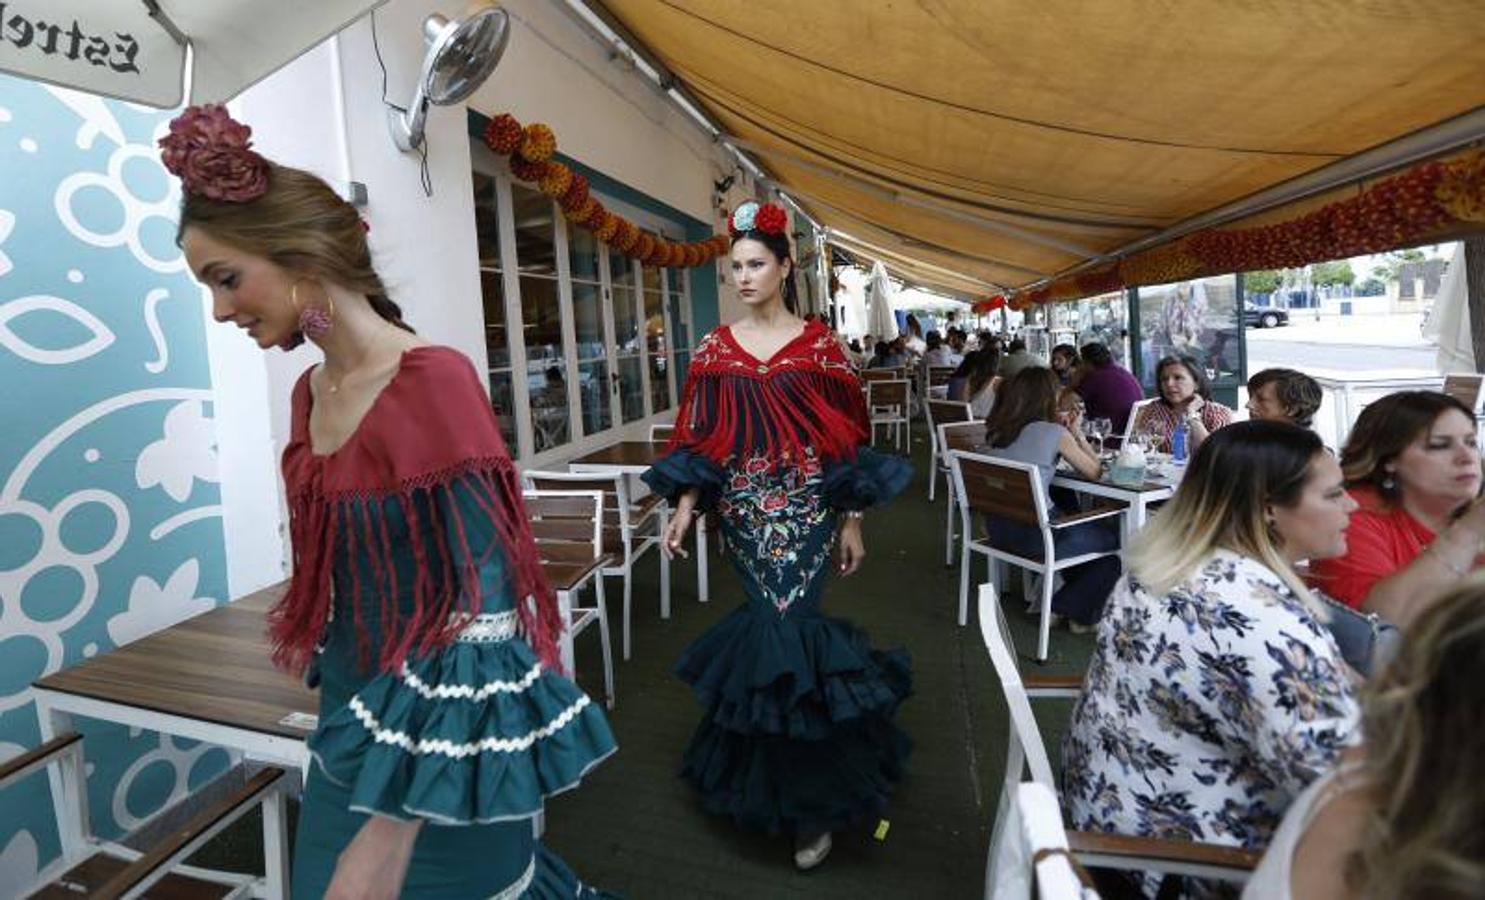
(459, 751)
(519, 886)
(469, 691)
(489, 628)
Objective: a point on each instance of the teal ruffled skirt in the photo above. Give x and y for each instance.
(470, 739)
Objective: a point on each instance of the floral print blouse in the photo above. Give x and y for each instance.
(1205, 711)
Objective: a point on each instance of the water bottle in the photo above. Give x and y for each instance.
(1178, 443)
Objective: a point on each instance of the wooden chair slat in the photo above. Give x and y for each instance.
(549, 507)
(964, 435)
(563, 530)
(999, 490)
(949, 411)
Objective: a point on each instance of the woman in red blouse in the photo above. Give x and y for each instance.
(1413, 464)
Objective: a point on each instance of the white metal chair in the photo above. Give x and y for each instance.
(123, 869)
(1025, 748)
(630, 529)
(568, 527)
(661, 431)
(955, 436)
(1135, 409)
(887, 402)
(704, 524)
(1012, 490)
(941, 412)
(1035, 861)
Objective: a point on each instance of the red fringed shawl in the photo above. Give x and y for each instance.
(431, 426)
(805, 396)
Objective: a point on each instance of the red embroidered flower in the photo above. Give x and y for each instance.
(775, 501)
(756, 466)
(212, 155)
(739, 482)
(810, 467)
(771, 219)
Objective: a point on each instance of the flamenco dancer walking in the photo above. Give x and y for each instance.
(796, 735)
(443, 720)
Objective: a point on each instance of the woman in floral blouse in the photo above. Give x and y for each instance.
(1216, 693)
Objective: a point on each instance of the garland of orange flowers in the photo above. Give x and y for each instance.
(1444, 197)
(531, 149)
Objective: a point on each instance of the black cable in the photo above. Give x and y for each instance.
(425, 176)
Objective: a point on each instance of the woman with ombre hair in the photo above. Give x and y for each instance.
(1216, 693)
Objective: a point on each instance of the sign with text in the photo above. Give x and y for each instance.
(111, 48)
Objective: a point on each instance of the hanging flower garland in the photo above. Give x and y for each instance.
(531, 149)
(1440, 198)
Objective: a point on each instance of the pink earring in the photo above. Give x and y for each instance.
(314, 322)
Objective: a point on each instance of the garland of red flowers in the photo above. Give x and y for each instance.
(531, 149)
(1443, 197)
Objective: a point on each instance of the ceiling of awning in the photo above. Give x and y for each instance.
(994, 144)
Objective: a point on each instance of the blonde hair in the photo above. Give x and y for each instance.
(1236, 475)
(1424, 772)
(301, 225)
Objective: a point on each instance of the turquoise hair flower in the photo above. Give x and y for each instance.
(743, 217)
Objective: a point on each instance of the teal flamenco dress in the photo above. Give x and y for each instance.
(440, 698)
(796, 735)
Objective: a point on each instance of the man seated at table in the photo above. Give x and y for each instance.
(1109, 390)
(1283, 395)
(1017, 358)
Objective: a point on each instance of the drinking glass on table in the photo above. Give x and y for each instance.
(1102, 428)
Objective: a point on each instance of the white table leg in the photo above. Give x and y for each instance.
(68, 783)
(275, 847)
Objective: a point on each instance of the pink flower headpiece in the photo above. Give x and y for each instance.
(210, 152)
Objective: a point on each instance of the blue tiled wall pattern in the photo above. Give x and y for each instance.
(110, 516)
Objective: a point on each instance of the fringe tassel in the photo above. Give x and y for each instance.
(783, 417)
(456, 521)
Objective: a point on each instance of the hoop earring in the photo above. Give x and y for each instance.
(314, 322)
(1387, 483)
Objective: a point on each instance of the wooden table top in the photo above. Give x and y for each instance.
(624, 453)
(214, 667)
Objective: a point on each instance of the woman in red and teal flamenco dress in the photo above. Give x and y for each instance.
(796, 735)
(417, 602)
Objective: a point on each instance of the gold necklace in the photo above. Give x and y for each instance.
(335, 383)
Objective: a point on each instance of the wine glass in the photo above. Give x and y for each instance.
(1102, 428)
(1090, 431)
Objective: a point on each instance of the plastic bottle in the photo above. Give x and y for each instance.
(1178, 442)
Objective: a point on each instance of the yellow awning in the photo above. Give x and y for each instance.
(1006, 142)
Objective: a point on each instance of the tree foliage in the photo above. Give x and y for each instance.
(1262, 281)
(1337, 272)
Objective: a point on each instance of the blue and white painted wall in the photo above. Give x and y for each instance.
(110, 510)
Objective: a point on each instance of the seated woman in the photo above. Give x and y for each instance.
(1400, 817)
(1185, 395)
(975, 381)
(1027, 427)
(1216, 693)
(1412, 463)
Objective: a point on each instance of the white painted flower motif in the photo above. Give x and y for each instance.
(186, 452)
(7, 225)
(153, 606)
(19, 862)
(56, 309)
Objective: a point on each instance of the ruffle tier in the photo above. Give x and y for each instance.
(797, 734)
(679, 471)
(553, 880)
(871, 479)
(474, 734)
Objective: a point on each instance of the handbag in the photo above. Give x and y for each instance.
(1367, 641)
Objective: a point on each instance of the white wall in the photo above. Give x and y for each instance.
(324, 113)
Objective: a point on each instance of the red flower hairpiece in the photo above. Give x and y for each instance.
(769, 218)
(210, 152)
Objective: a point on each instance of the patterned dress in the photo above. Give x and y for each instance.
(1205, 711)
(796, 735)
(439, 698)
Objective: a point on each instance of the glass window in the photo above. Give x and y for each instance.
(592, 356)
(657, 348)
(627, 337)
(582, 253)
(1192, 318)
(492, 291)
(541, 318)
